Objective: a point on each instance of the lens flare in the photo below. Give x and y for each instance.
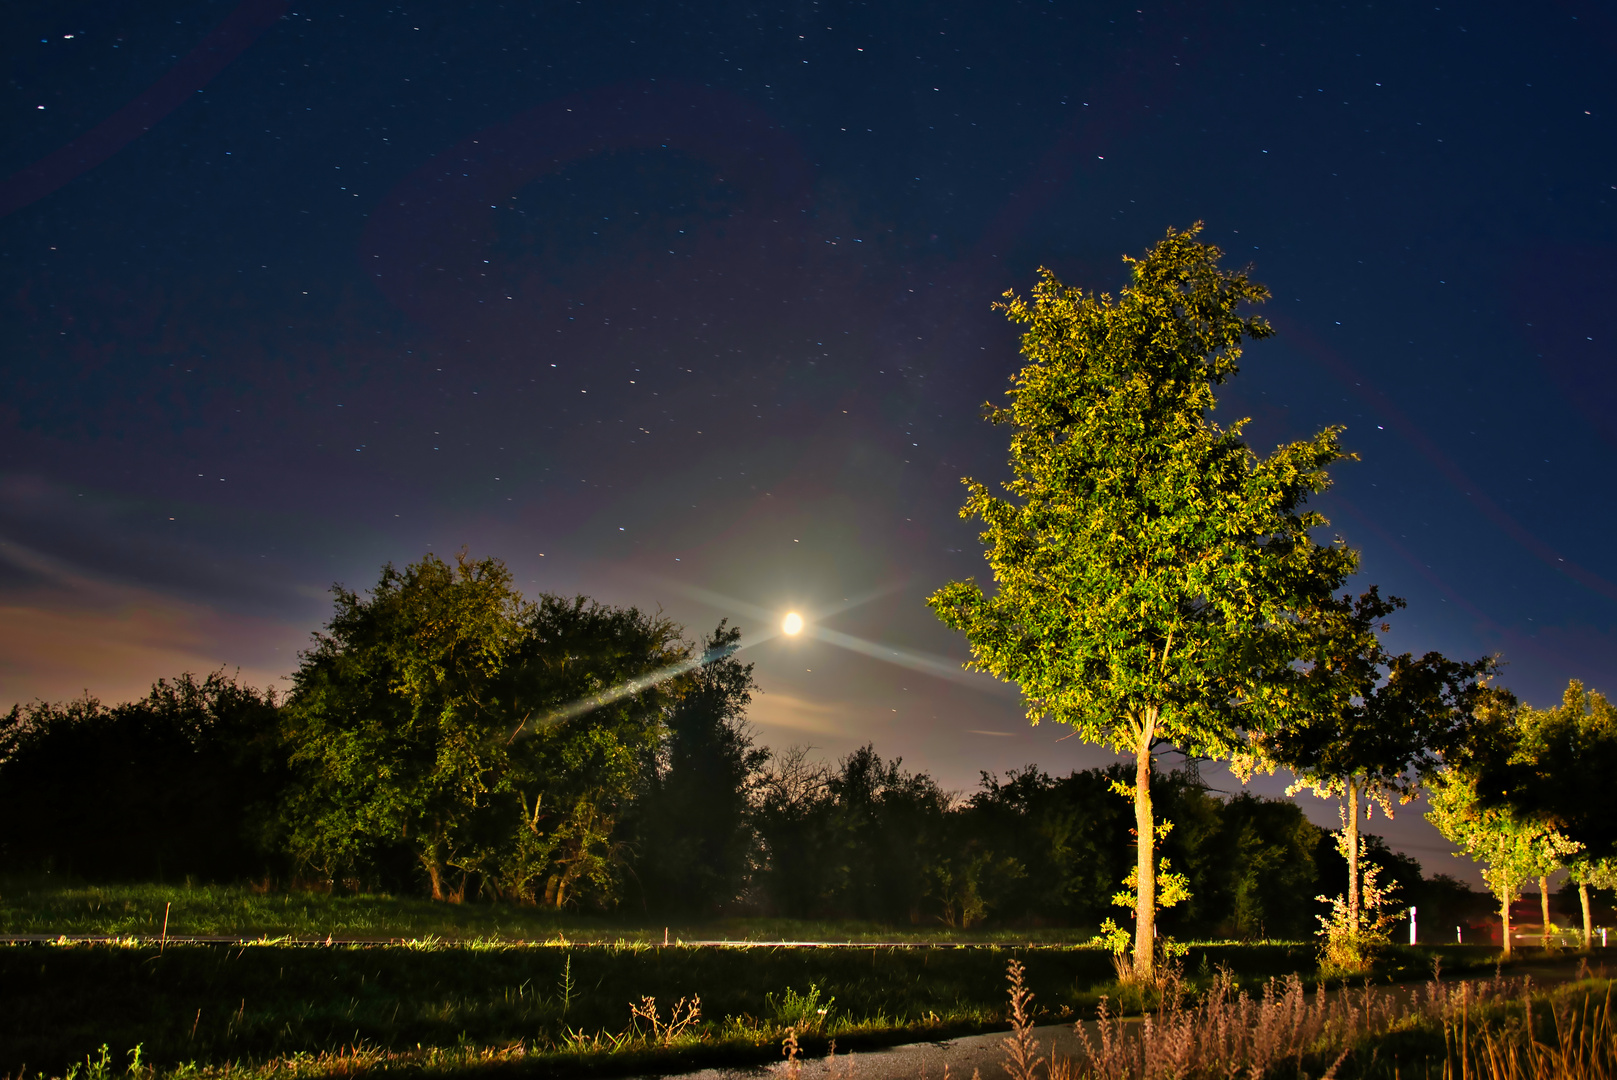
(792, 624)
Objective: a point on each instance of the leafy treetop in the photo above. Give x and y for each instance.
(1148, 564)
(1374, 720)
(1556, 766)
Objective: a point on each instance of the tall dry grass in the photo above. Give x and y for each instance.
(1576, 1041)
(1493, 1029)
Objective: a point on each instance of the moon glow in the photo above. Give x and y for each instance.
(792, 624)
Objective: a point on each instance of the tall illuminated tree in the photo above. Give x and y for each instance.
(1591, 874)
(1148, 567)
(1375, 723)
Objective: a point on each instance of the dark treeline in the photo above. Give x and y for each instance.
(447, 736)
(183, 782)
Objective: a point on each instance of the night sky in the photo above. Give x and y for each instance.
(690, 306)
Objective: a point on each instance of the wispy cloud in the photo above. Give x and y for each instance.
(67, 632)
(789, 713)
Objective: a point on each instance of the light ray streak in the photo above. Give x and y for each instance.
(753, 611)
(937, 666)
(574, 709)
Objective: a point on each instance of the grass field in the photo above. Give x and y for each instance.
(481, 986)
(39, 909)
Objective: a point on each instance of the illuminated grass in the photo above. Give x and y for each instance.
(240, 912)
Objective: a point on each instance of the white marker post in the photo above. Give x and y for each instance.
(1412, 925)
(1459, 936)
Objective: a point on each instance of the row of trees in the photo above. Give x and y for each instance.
(1529, 794)
(209, 778)
(1157, 584)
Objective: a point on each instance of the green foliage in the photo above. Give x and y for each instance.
(400, 715)
(1265, 867)
(446, 718)
(956, 882)
(803, 1012)
(1512, 850)
(1512, 847)
(1372, 719)
(1374, 727)
(577, 769)
(1146, 558)
(1250, 862)
(1113, 938)
(1172, 888)
(1354, 938)
(1149, 568)
(1556, 766)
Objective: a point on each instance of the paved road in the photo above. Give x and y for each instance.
(913, 1061)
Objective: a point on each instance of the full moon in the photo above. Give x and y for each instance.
(793, 623)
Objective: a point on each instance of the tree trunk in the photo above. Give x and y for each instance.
(1504, 919)
(1544, 911)
(1588, 929)
(1353, 854)
(1145, 902)
(435, 874)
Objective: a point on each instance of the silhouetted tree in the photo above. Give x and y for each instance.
(859, 840)
(692, 824)
(1262, 869)
(803, 870)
